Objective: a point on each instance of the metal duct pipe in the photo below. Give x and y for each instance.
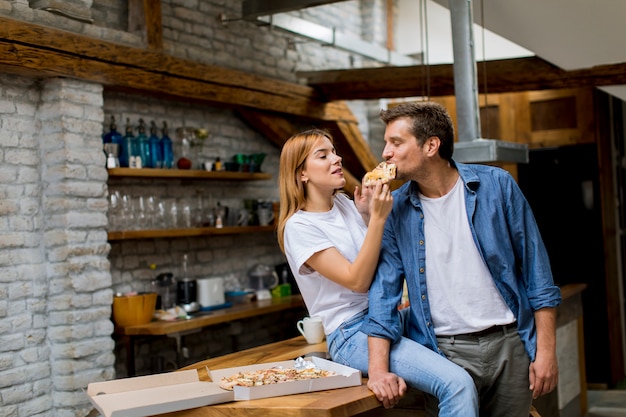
(465, 78)
(470, 146)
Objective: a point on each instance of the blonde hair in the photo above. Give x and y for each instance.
(292, 192)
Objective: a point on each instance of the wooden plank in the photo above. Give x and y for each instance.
(144, 17)
(187, 232)
(342, 402)
(350, 144)
(237, 312)
(188, 173)
(508, 75)
(610, 237)
(338, 402)
(26, 48)
(16, 58)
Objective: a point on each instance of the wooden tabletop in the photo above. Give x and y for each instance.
(331, 403)
(236, 312)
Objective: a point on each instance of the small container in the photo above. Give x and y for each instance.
(217, 166)
(132, 310)
(241, 297)
(231, 166)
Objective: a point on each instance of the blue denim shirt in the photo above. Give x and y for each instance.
(506, 235)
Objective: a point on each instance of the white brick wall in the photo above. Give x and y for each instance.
(57, 271)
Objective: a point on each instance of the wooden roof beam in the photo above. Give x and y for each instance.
(503, 76)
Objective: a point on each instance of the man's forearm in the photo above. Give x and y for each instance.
(545, 320)
(378, 354)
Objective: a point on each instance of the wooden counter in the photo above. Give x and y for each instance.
(343, 402)
(236, 312)
(180, 327)
(351, 401)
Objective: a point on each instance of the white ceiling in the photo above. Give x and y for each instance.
(571, 34)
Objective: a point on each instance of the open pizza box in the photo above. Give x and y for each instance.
(155, 394)
(344, 377)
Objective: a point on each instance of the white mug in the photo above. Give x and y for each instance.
(312, 329)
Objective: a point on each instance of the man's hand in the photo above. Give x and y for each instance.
(387, 387)
(543, 373)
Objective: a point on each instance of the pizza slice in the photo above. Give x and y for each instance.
(271, 376)
(384, 172)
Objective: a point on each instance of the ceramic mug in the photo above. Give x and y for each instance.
(312, 329)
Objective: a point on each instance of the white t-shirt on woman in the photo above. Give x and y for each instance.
(307, 233)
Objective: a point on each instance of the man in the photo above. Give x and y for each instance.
(478, 276)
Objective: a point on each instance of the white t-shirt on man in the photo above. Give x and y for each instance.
(462, 295)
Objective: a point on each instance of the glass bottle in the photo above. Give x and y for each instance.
(166, 147)
(154, 147)
(126, 150)
(113, 136)
(218, 164)
(143, 149)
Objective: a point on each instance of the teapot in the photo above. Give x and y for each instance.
(262, 277)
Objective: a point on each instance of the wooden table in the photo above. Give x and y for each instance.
(342, 402)
(179, 328)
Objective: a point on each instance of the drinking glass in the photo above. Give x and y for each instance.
(115, 208)
(162, 215)
(185, 214)
(151, 212)
(140, 213)
(127, 217)
(172, 218)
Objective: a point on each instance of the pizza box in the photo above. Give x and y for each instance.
(155, 394)
(345, 377)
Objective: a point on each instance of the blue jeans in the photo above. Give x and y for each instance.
(419, 366)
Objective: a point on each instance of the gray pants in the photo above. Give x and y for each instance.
(499, 364)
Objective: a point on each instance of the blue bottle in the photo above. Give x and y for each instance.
(154, 147)
(166, 147)
(126, 149)
(142, 150)
(113, 136)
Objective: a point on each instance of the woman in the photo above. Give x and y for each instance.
(332, 246)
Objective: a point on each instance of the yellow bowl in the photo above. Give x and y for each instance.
(130, 310)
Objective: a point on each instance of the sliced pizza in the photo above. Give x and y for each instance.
(271, 376)
(384, 172)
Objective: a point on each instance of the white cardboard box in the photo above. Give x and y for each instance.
(346, 377)
(155, 394)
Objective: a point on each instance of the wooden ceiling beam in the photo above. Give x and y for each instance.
(27, 48)
(356, 153)
(277, 109)
(503, 76)
(145, 18)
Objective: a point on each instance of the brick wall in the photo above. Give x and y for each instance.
(58, 273)
(55, 284)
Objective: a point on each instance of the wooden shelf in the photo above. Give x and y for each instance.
(183, 173)
(176, 233)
